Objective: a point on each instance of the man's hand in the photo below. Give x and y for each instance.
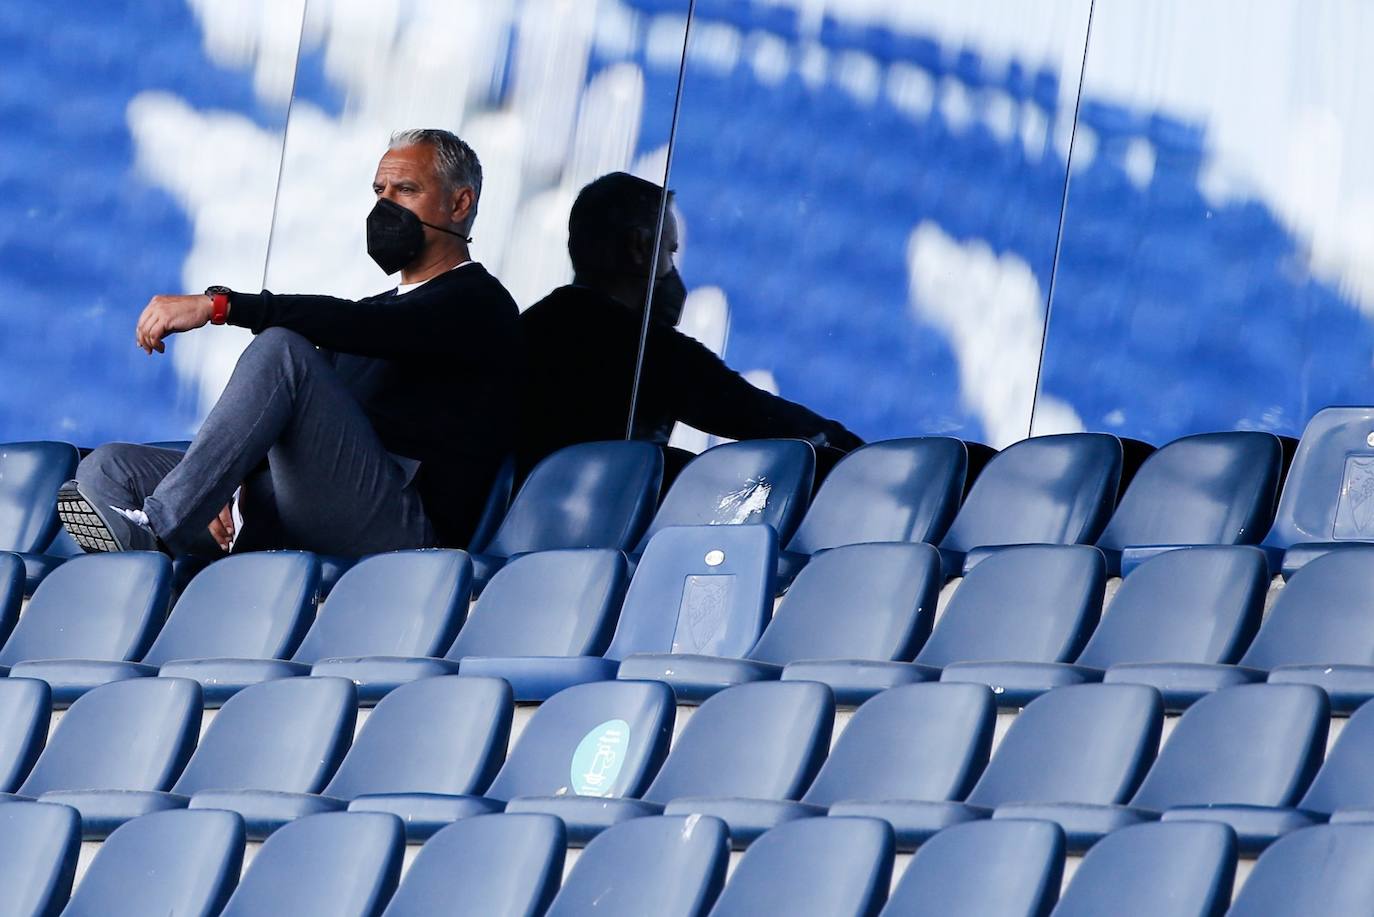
(166, 315)
(222, 527)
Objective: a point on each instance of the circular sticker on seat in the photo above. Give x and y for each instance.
(599, 756)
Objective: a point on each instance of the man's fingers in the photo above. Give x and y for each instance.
(218, 532)
(226, 518)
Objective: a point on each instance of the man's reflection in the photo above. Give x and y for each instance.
(581, 342)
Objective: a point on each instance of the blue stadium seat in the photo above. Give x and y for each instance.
(818, 867)
(1083, 743)
(889, 591)
(11, 592)
(1189, 606)
(678, 863)
(591, 495)
(99, 606)
(1319, 870)
(925, 741)
(1212, 488)
(898, 490)
(761, 481)
(701, 589)
(403, 603)
(498, 501)
(492, 864)
(255, 604)
(1316, 633)
(336, 863)
(1156, 869)
(1325, 503)
(437, 736)
(30, 474)
(545, 604)
(1044, 490)
(177, 862)
(1233, 757)
(583, 749)
(116, 749)
(1027, 603)
(1007, 868)
(25, 711)
(39, 844)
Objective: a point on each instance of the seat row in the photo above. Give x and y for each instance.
(698, 615)
(1087, 757)
(1216, 488)
(676, 866)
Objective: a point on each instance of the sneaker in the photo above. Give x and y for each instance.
(97, 528)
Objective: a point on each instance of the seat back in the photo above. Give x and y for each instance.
(1032, 603)
(600, 739)
(1326, 494)
(490, 864)
(754, 482)
(551, 603)
(185, 861)
(591, 495)
(1319, 870)
(1212, 488)
(1044, 490)
(1346, 780)
(30, 474)
(896, 490)
(25, 711)
(11, 592)
(246, 606)
(923, 741)
(494, 510)
(1194, 605)
(404, 603)
(97, 606)
(1248, 745)
(287, 735)
(1083, 743)
(859, 601)
(39, 844)
(763, 740)
(705, 589)
(1006, 867)
(1158, 869)
(677, 862)
(813, 867)
(435, 735)
(126, 735)
(1323, 615)
(344, 863)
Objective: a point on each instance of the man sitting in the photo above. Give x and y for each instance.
(353, 427)
(581, 342)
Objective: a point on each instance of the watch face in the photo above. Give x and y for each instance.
(216, 290)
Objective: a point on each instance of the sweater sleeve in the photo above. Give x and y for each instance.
(439, 318)
(706, 393)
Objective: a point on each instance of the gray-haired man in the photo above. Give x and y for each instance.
(352, 426)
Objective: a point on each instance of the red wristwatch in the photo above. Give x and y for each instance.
(219, 304)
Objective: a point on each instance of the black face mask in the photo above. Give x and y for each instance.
(395, 235)
(669, 296)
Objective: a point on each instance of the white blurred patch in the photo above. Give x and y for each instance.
(736, 507)
(706, 318)
(992, 310)
(1139, 162)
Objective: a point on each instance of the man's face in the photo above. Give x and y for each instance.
(667, 252)
(408, 177)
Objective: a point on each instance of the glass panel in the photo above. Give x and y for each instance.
(139, 148)
(1217, 269)
(550, 94)
(869, 196)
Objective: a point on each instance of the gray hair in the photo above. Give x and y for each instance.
(455, 160)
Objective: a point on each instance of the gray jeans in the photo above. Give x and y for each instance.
(315, 476)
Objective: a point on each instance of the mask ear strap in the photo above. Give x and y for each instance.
(467, 239)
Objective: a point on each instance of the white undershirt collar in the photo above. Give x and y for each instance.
(404, 288)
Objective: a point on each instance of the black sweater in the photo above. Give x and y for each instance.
(436, 370)
(581, 347)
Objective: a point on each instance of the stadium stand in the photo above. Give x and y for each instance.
(592, 495)
(426, 596)
(28, 514)
(1318, 870)
(25, 712)
(39, 844)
